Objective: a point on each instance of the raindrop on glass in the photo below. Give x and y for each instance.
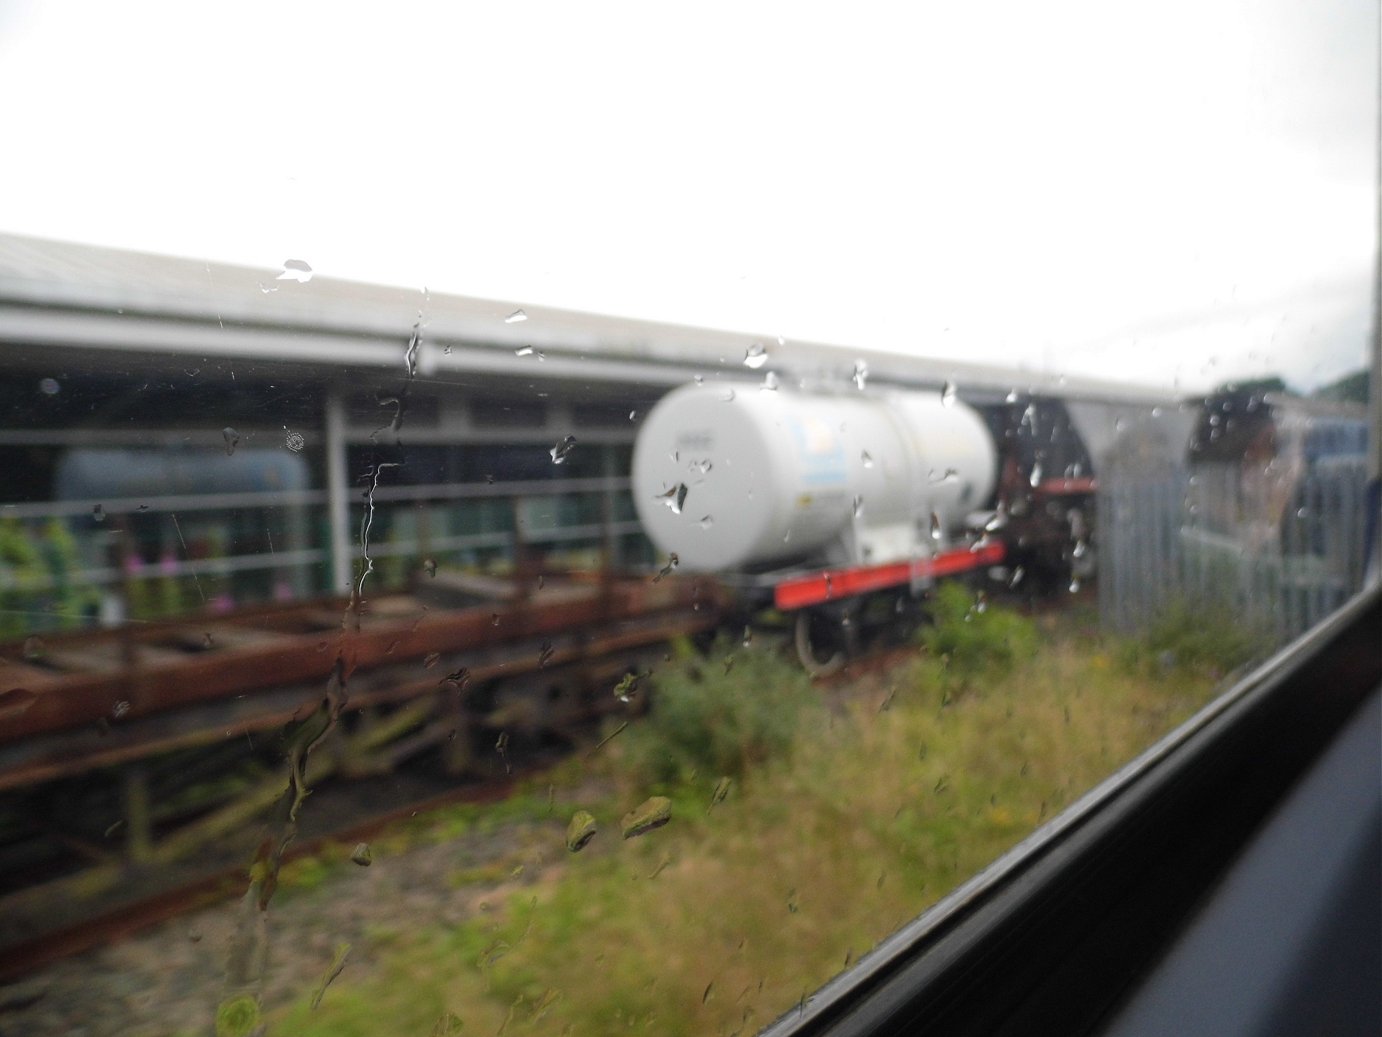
(580, 830)
(652, 813)
(672, 562)
(232, 439)
(748, 637)
(861, 374)
(721, 791)
(33, 648)
(628, 684)
(560, 452)
(935, 526)
(769, 382)
(755, 356)
(858, 505)
(431, 660)
(545, 655)
(461, 678)
(727, 396)
(864, 457)
(1035, 479)
(706, 522)
(1074, 585)
(295, 270)
(361, 855)
(293, 441)
(429, 566)
(98, 513)
(49, 386)
(948, 394)
(516, 317)
(524, 351)
(633, 414)
(674, 498)
(121, 709)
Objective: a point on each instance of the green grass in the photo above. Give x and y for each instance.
(867, 812)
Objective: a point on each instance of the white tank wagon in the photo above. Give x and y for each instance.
(739, 479)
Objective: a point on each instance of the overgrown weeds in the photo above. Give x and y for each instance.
(719, 715)
(848, 824)
(1206, 639)
(973, 638)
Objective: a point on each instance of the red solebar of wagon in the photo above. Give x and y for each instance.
(845, 583)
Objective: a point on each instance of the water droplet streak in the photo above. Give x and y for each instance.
(295, 270)
(562, 450)
(580, 830)
(721, 791)
(651, 814)
(675, 498)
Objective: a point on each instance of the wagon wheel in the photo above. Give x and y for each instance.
(807, 651)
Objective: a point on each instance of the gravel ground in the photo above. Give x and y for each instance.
(168, 979)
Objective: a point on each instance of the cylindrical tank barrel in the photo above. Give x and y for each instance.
(736, 477)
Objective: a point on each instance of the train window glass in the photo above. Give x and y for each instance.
(642, 674)
(508, 413)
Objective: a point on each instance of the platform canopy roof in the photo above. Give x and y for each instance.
(97, 304)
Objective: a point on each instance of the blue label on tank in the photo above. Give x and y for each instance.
(821, 451)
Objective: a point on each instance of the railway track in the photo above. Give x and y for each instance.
(107, 823)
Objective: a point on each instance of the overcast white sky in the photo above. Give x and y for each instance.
(1172, 191)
